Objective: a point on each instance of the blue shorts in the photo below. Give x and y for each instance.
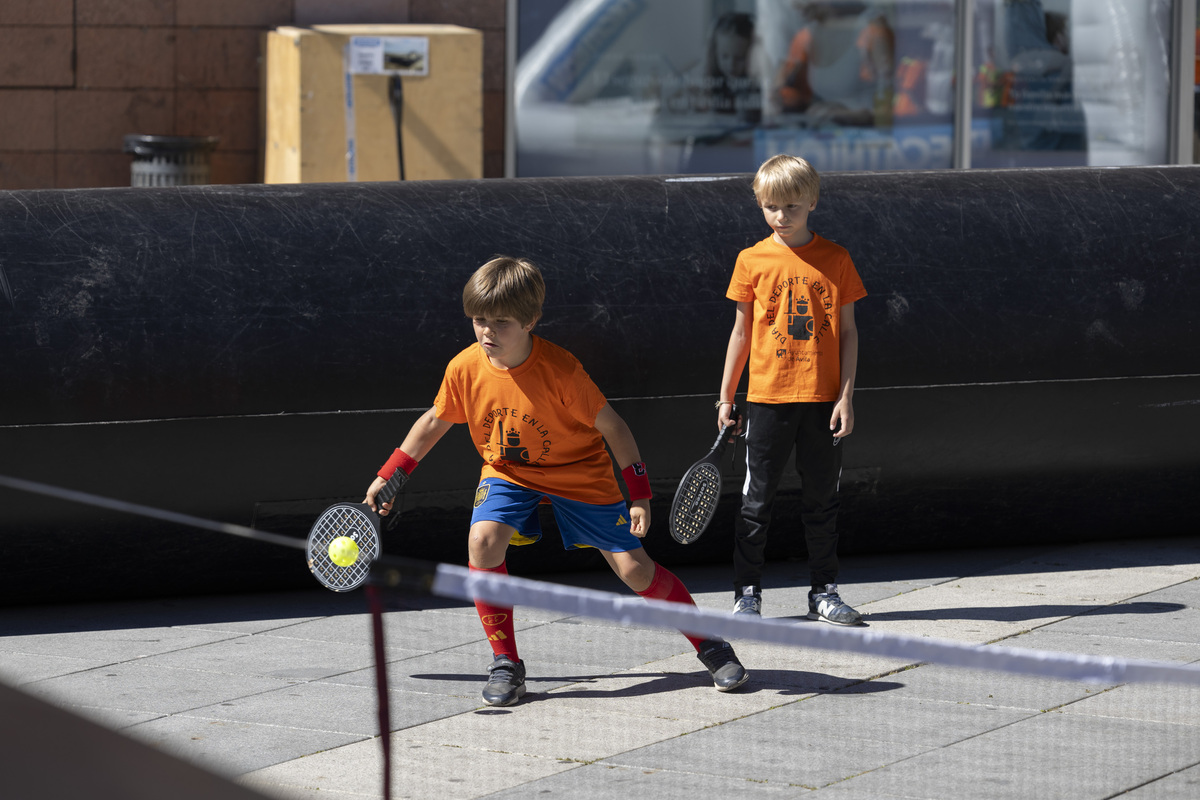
(605, 527)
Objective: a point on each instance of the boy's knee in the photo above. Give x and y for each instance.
(487, 543)
(638, 577)
(636, 573)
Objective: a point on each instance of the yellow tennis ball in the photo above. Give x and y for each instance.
(343, 551)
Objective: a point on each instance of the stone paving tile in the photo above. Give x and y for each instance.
(982, 687)
(233, 747)
(1182, 785)
(605, 781)
(132, 686)
(1050, 755)
(421, 770)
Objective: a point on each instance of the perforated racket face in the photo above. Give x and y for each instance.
(344, 519)
(695, 502)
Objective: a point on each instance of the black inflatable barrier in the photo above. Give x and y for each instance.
(1029, 369)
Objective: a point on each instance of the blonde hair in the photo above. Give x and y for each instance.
(785, 178)
(505, 287)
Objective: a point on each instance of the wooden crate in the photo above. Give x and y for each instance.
(304, 117)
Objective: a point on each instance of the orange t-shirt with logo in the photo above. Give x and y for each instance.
(534, 425)
(797, 294)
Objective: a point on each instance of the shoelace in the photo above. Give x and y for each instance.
(719, 657)
(502, 673)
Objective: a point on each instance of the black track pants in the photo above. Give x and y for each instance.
(772, 432)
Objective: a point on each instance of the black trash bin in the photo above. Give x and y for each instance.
(169, 160)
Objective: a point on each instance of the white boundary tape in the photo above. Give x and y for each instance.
(463, 584)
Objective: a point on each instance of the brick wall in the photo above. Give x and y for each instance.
(77, 75)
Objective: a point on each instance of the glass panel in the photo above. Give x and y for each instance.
(1072, 82)
(635, 87)
(855, 85)
(667, 86)
(677, 86)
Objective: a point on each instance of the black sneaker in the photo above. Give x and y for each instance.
(727, 672)
(506, 682)
(749, 602)
(828, 606)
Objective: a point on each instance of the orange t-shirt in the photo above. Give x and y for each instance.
(796, 294)
(534, 425)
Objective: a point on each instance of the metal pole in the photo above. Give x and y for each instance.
(964, 80)
(510, 79)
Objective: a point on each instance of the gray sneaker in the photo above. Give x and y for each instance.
(506, 682)
(727, 672)
(828, 606)
(749, 603)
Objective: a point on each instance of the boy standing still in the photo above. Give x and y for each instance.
(540, 424)
(795, 294)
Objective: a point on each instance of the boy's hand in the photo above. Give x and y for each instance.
(724, 419)
(842, 421)
(378, 484)
(639, 518)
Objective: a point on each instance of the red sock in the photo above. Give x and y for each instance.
(497, 621)
(666, 586)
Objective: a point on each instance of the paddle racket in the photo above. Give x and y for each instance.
(344, 541)
(700, 490)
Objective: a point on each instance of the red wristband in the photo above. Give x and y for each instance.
(399, 460)
(637, 480)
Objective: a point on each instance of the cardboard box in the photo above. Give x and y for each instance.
(316, 131)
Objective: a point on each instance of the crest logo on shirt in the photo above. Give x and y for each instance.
(796, 318)
(511, 437)
(510, 445)
(800, 323)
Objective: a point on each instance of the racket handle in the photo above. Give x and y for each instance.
(723, 437)
(392, 488)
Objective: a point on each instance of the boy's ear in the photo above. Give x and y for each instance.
(529, 326)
